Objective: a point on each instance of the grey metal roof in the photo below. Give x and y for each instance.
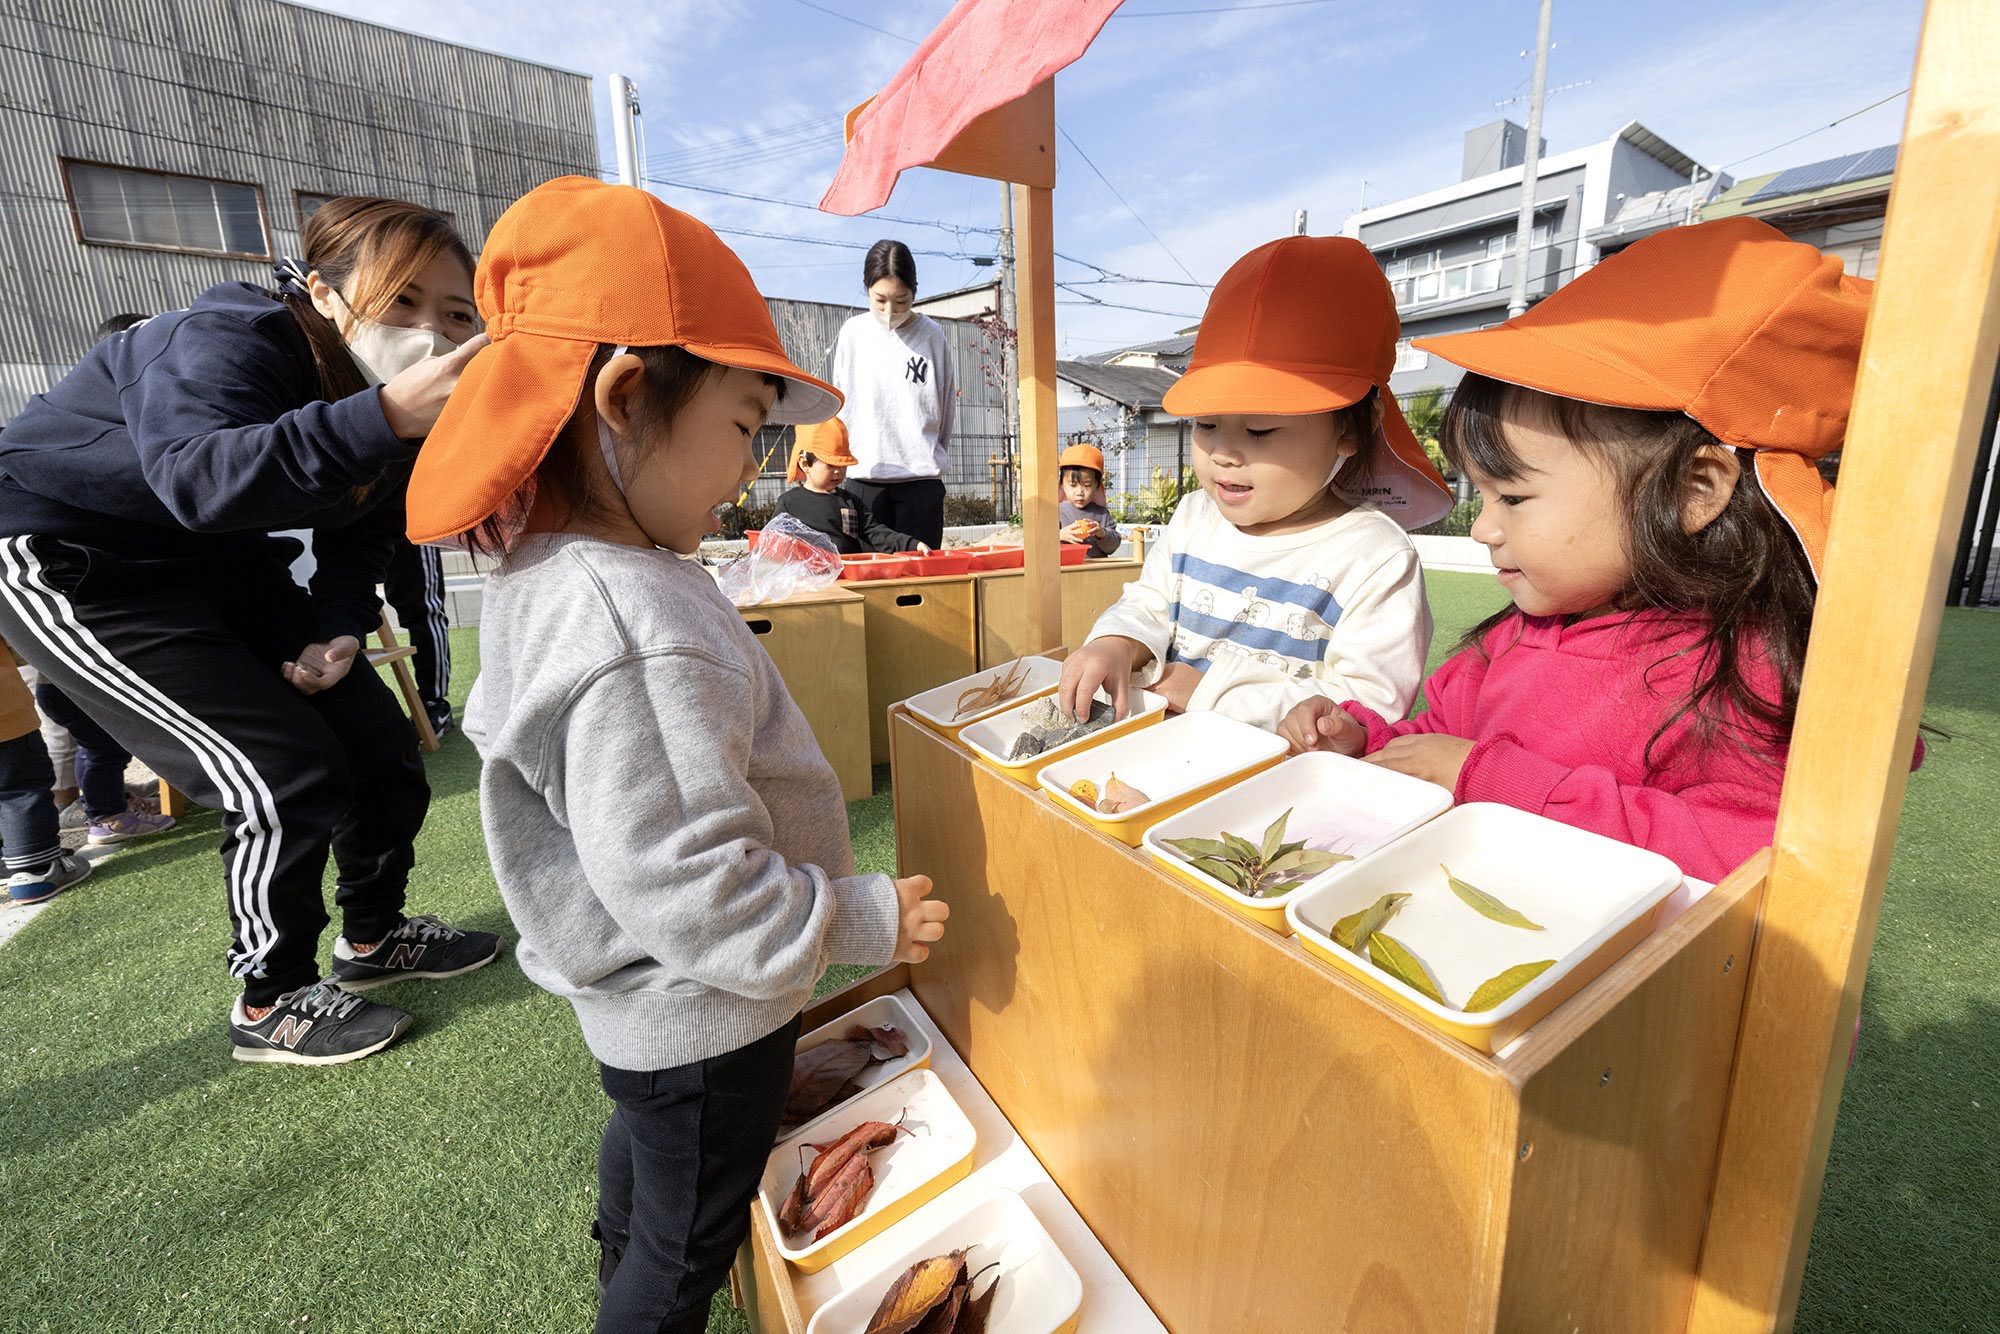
(1176, 348)
(1833, 171)
(1134, 386)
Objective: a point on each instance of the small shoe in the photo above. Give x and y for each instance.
(72, 816)
(441, 724)
(126, 826)
(422, 946)
(316, 1025)
(26, 887)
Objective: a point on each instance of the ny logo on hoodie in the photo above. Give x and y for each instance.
(918, 371)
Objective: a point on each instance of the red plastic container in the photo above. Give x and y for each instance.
(873, 565)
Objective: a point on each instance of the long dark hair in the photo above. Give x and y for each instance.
(1744, 572)
(388, 242)
(890, 259)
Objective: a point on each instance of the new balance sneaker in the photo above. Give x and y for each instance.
(126, 826)
(26, 887)
(72, 816)
(422, 946)
(316, 1025)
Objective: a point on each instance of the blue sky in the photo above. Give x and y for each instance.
(1213, 126)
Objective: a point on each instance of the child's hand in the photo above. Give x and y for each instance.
(1427, 755)
(919, 920)
(1177, 685)
(1080, 531)
(1321, 724)
(1105, 663)
(321, 666)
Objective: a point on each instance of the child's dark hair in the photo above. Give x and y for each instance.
(1744, 571)
(889, 259)
(1090, 475)
(673, 377)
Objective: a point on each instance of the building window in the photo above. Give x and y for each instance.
(1410, 358)
(160, 210)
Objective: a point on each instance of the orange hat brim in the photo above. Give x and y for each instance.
(506, 411)
(1524, 357)
(807, 398)
(1256, 388)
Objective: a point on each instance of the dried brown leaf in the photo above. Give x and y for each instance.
(1119, 795)
(916, 1292)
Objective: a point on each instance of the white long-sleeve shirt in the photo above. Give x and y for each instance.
(1337, 610)
(900, 397)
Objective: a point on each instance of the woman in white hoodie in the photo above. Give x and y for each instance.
(894, 366)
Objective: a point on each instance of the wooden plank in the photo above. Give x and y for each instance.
(1015, 141)
(819, 644)
(1622, 1095)
(920, 633)
(763, 1283)
(1035, 283)
(1259, 1143)
(1927, 367)
(1087, 591)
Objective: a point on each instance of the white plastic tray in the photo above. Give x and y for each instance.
(941, 1139)
(882, 1012)
(936, 707)
(1585, 890)
(1337, 805)
(1039, 1292)
(992, 736)
(1171, 763)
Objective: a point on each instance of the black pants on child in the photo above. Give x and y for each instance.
(100, 760)
(414, 586)
(914, 507)
(676, 1176)
(179, 660)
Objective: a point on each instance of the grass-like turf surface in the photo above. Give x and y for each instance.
(151, 1183)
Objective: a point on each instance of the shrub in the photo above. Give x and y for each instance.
(740, 519)
(1156, 502)
(965, 511)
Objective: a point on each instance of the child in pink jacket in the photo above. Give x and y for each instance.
(1644, 442)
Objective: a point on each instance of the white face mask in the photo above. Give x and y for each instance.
(383, 351)
(892, 319)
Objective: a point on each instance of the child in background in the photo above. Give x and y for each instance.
(663, 828)
(100, 775)
(818, 500)
(1288, 575)
(1081, 515)
(1644, 442)
(37, 867)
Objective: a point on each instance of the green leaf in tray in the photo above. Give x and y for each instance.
(1496, 989)
(1242, 849)
(1486, 905)
(1274, 838)
(1192, 848)
(1352, 931)
(1293, 846)
(1224, 871)
(1394, 958)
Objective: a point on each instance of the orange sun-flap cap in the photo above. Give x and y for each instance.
(572, 265)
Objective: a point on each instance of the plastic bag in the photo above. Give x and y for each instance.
(786, 559)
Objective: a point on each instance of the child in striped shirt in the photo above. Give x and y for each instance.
(1288, 575)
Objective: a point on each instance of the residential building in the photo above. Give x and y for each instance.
(1450, 253)
(150, 152)
(1168, 354)
(1117, 408)
(964, 303)
(1839, 204)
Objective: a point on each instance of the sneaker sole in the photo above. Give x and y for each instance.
(369, 983)
(13, 902)
(279, 1056)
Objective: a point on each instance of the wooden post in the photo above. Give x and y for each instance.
(1927, 367)
(1036, 301)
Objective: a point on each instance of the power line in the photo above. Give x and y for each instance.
(1225, 9)
(958, 228)
(1821, 130)
(849, 18)
(1128, 207)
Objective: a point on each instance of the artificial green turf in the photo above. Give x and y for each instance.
(151, 1183)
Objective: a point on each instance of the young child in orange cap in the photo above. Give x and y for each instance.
(1081, 514)
(1644, 441)
(1288, 576)
(819, 464)
(666, 834)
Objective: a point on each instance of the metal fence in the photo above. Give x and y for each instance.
(1975, 570)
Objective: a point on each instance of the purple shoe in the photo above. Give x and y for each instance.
(126, 826)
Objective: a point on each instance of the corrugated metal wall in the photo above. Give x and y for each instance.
(283, 97)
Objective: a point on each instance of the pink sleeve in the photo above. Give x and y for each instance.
(1708, 828)
(1449, 698)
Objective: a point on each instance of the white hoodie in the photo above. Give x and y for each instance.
(900, 397)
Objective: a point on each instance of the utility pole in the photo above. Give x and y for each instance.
(1009, 345)
(1531, 169)
(624, 129)
(1299, 223)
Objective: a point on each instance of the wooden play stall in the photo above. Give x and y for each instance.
(1258, 1142)
(820, 647)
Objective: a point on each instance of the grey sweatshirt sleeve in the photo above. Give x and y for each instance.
(677, 844)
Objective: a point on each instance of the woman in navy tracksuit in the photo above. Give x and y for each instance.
(138, 574)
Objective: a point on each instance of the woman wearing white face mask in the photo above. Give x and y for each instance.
(138, 573)
(894, 365)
